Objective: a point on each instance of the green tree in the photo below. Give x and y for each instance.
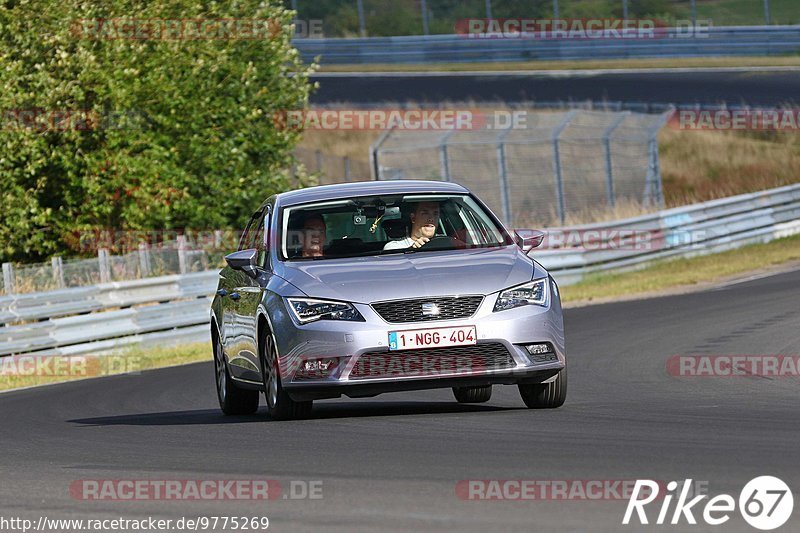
(179, 132)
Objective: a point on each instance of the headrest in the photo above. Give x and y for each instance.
(395, 228)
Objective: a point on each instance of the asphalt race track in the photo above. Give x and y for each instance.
(393, 461)
(692, 86)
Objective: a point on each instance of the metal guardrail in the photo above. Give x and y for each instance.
(688, 231)
(53, 304)
(166, 309)
(713, 41)
(174, 309)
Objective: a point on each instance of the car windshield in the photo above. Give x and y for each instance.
(387, 224)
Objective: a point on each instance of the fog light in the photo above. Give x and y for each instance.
(538, 349)
(317, 368)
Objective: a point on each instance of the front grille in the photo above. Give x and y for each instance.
(449, 307)
(471, 359)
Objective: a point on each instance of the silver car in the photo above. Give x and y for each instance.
(365, 288)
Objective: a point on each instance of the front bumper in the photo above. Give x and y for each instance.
(351, 343)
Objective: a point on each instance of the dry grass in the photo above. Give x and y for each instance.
(703, 165)
(349, 143)
(694, 62)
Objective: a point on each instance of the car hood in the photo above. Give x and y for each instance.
(410, 275)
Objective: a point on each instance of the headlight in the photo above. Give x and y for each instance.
(308, 310)
(532, 293)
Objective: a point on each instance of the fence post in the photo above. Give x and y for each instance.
(362, 26)
(424, 8)
(653, 191)
(625, 9)
(58, 271)
(8, 278)
(144, 260)
(374, 163)
(318, 159)
(444, 163)
(611, 195)
(346, 168)
(657, 176)
(502, 171)
(766, 12)
(562, 215)
(104, 265)
(182, 254)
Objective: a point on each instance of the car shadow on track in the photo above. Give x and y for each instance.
(321, 411)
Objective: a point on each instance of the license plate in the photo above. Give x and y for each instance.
(432, 338)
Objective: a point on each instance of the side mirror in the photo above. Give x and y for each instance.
(244, 260)
(528, 239)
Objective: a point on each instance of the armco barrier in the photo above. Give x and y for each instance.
(175, 309)
(687, 231)
(713, 41)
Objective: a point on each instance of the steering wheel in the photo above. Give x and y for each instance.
(439, 242)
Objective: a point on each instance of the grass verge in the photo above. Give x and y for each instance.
(688, 62)
(19, 372)
(684, 273)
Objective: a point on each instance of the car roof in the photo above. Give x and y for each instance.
(367, 188)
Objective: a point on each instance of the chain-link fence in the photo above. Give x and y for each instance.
(333, 168)
(148, 261)
(557, 167)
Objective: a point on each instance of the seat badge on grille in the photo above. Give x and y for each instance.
(430, 309)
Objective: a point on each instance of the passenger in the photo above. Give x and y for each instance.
(424, 221)
(313, 236)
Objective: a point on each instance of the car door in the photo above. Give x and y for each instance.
(234, 279)
(227, 304)
(249, 292)
(225, 308)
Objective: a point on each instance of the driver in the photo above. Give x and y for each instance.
(424, 221)
(313, 236)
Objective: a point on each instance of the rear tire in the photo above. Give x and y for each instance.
(279, 404)
(232, 400)
(472, 394)
(546, 395)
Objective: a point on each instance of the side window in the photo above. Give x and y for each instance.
(476, 232)
(247, 235)
(260, 239)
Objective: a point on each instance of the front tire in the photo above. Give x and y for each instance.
(232, 400)
(279, 404)
(546, 395)
(472, 394)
